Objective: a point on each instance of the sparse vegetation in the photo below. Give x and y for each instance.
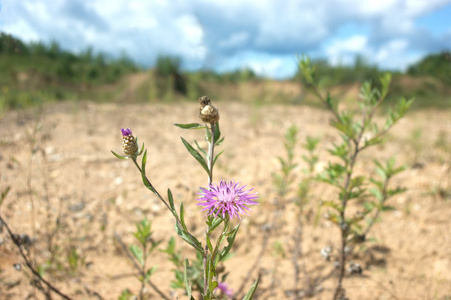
(75, 222)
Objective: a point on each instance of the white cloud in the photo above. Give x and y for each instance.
(220, 31)
(395, 55)
(344, 51)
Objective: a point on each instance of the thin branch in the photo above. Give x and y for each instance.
(29, 264)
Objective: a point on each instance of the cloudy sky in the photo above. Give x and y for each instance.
(264, 35)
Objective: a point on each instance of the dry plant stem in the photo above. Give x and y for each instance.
(29, 264)
(138, 268)
(344, 227)
(91, 292)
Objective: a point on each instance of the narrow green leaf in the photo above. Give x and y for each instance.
(171, 246)
(119, 156)
(185, 278)
(217, 133)
(385, 82)
(200, 148)
(376, 193)
(251, 292)
(219, 142)
(216, 157)
(150, 272)
(213, 285)
(142, 147)
(182, 216)
(189, 238)
(332, 204)
(368, 206)
(216, 222)
(230, 241)
(381, 172)
(196, 155)
(209, 245)
(144, 161)
(190, 126)
(146, 183)
(398, 190)
(171, 201)
(388, 208)
(137, 253)
(373, 141)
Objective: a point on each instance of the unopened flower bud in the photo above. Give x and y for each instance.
(129, 142)
(207, 112)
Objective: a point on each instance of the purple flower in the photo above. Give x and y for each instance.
(126, 131)
(225, 289)
(227, 198)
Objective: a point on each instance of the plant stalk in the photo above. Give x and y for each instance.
(211, 147)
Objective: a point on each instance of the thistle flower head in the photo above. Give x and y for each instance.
(129, 143)
(228, 198)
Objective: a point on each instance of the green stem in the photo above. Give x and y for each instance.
(219, 241)
(211, 150)
(154, 190)
(211, 147)
(177, 219)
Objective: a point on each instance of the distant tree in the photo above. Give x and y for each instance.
(170, 67)
(54, 50)
(12, 45)
(435, 65)
(38, 48)
(360, 71)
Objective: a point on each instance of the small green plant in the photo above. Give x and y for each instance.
(284, 178)
(284, 181)
(142, 251)
(357, 133)
(302, 199)
(194, 271)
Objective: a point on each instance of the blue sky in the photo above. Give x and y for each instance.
(264, 35)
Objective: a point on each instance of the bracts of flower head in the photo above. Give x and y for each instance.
(228, 199)
(129, 143)
(207, 112)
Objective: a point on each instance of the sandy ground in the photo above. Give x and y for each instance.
(61, 171)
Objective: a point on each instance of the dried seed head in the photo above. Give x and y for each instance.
(129, 142)
(207, 112)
